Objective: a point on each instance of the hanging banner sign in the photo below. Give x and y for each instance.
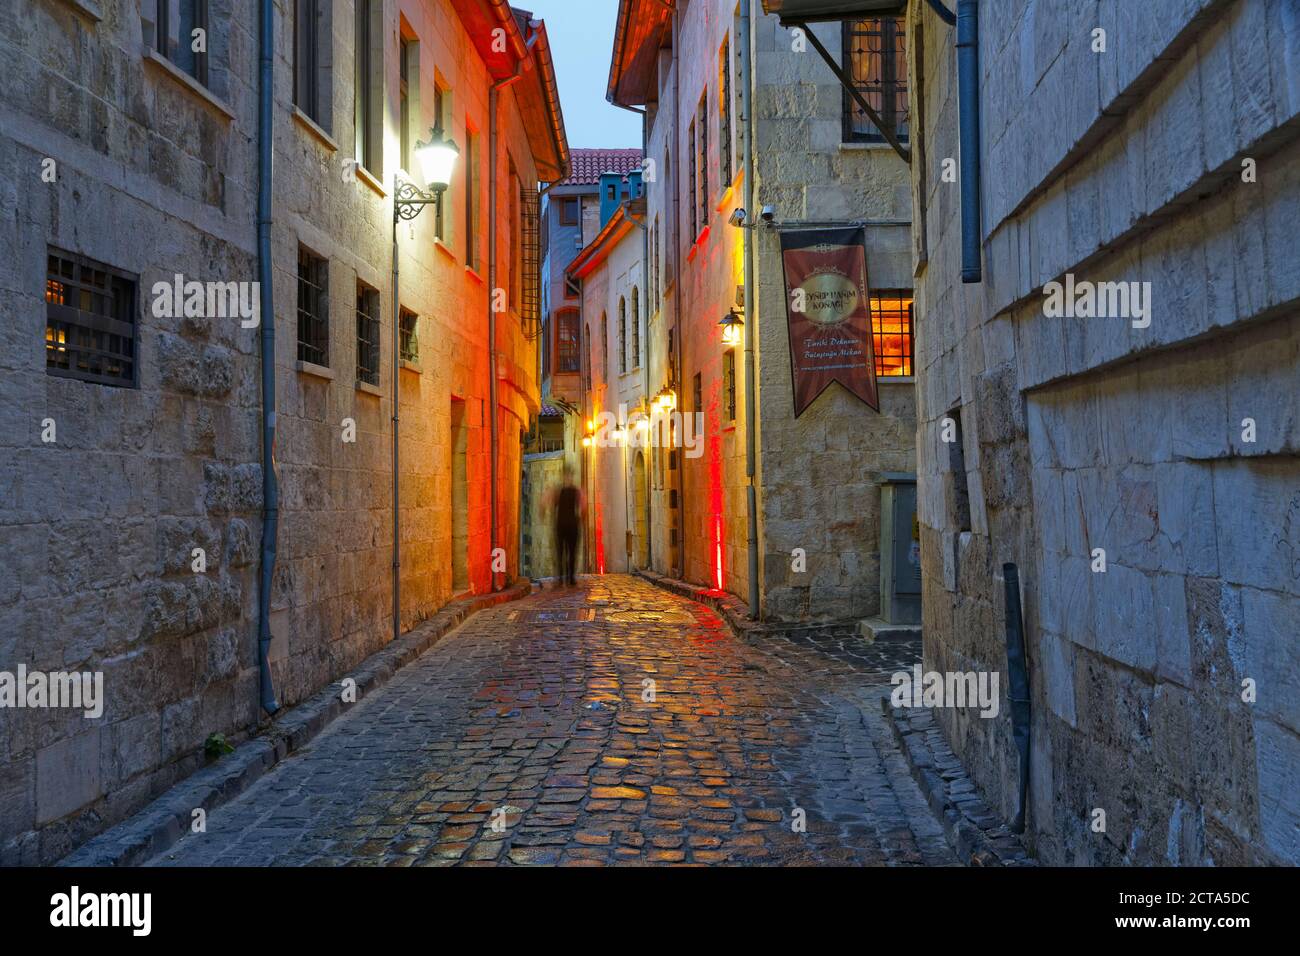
(828, 307)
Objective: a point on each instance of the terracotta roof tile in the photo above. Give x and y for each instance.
(589, 164)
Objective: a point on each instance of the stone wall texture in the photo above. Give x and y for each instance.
(157, 177)
(1079, 436)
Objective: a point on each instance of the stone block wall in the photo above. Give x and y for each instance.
(157, 176)
(1089, 438)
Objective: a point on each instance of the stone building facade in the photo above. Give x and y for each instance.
(1139, 465)
(616, 458)
(128, 161)
(818, 476)
(571, 219)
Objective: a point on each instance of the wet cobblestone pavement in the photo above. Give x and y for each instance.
(539, 717)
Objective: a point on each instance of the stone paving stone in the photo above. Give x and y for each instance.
(768, 749)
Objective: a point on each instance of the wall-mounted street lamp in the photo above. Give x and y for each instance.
(437, 160)
(732, 326)
(666, 399)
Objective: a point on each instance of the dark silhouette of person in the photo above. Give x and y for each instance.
(568, 526)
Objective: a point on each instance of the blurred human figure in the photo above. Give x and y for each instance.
(566, 501)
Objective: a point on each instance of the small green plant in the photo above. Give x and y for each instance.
(216, 747)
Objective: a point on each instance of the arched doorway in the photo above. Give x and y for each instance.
(639, 498)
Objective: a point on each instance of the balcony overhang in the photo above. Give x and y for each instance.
(795, 12)
(643, 28)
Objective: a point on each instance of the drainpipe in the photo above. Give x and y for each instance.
(494, 95)
(751, 203)
(270, 486)
(969, 100)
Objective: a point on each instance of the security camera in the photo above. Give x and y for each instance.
(738, 217)
(769, 214)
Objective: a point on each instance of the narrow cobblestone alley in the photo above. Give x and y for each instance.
(537, 707)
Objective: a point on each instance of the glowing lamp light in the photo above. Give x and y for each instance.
(591, 426)
(731, 324)
(643, 424)
(437, 160)
(667, 399)
(586, 442)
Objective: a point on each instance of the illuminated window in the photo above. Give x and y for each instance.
(90, 326)
(892, 333)
(875, 57)
(567, 345)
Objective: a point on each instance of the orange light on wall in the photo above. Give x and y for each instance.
(891, 329)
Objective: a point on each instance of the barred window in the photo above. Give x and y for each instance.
(703, 123)
(724, 112)
(367, 334)
(622, 335)
(636, 327)
(313, 308)
(692, 159)
(729, 383)
(570, 358)
(604, 347)
(875, 58)
(892, 334)
(90, 321)
(698, 393)
(410, 335)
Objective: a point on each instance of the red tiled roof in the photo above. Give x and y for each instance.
(589, 164)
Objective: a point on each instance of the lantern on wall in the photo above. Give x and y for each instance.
(731, 324)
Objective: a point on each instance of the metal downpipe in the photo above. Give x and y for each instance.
(968, 92)
(748, 237)
(270, 484)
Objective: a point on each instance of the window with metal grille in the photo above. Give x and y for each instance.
(875, 58)
(367, 334)
(698, 394)
(604, 347)
(622, 335)
(729, 383)
(409, 335)
(892, 333)
(568, 346)
(309, 24)
(90, 320)
(692, 158)
(724, 112)
(530, 296)
(177, 40)
(636, 327)
(313, 308)
(703, 162)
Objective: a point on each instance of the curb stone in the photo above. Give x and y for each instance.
(160, 824)
(977, 834)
